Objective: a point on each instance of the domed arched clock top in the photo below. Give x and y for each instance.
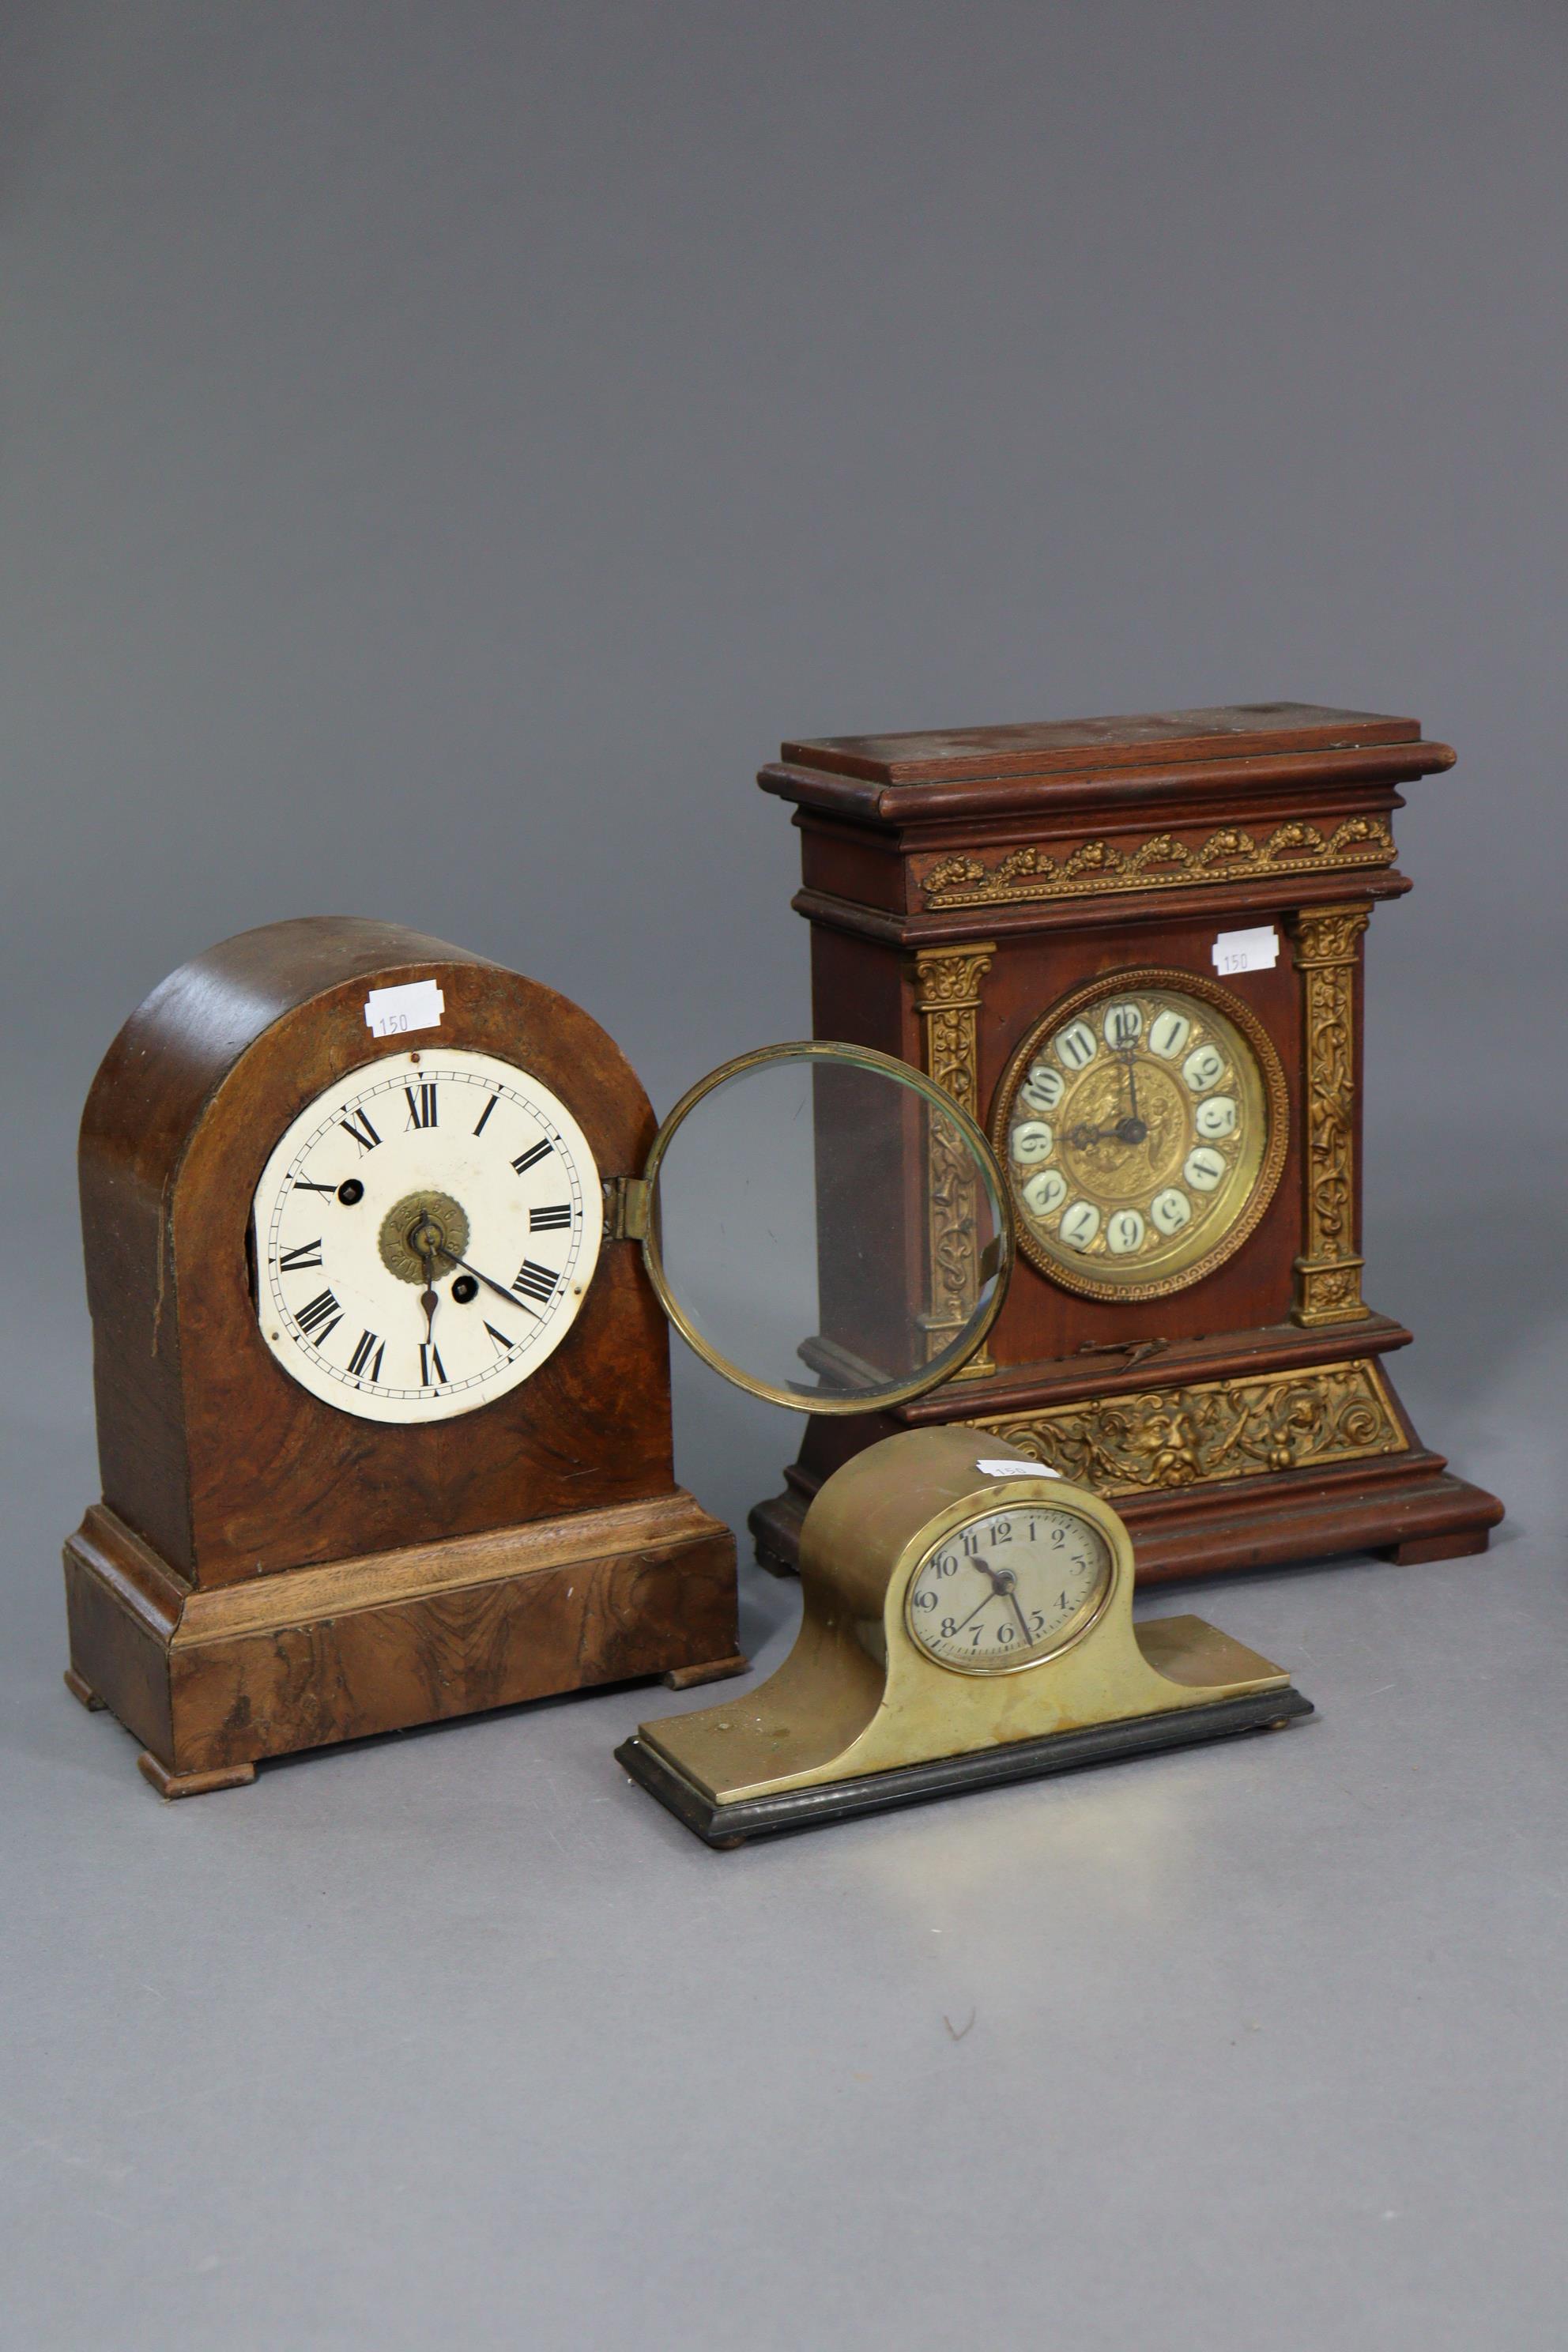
(383, 1400)
(965, 1621)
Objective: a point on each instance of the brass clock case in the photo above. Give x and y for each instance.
(1252, 1174)
(863, 1715)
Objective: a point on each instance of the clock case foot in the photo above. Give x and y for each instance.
(728, 1825)
(171, 1785)
(213, 1681)
(1404, 1504)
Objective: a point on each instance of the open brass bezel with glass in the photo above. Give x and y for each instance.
(1143, 1122)
(950, 1134)
(967, 1616)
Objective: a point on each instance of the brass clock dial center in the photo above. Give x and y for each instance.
(1010, 1588)
(1115, 1154)
(421, 1226)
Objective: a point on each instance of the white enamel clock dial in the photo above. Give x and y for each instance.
(1010, 1588)
(424, 1233)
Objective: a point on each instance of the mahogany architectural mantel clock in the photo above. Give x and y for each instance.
(1131, 949)
(382, 1381)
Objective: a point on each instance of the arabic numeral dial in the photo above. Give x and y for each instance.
(1081, 1223)
(1169, 1035)
(1045, 1192)
(1138, 1132)
(1011, 1587)
(1043, 1088)
(1171, 1209)
(1077, 1046)
(390, 1223)
(1201, 1067)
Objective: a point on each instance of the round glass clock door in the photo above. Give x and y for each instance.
(1143, 1124)
(826, 1227)
(424, 1232)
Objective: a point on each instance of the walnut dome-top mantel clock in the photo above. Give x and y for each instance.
(382, 1382)
(1131, 949)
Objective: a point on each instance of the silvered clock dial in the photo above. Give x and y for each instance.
(1143, 1126)
(1009, 1589)
(424, 1232)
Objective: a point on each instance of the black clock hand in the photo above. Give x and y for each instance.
(1003, 1587)
(1132, 1128)
(1126, 1130)
(511, 1296)
(975, 1610)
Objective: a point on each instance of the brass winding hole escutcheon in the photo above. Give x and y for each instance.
(434, 1218)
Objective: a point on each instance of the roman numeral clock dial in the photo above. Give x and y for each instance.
(1143, 1126)
(424, 1233)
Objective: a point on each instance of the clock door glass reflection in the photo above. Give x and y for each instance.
(824, 1232)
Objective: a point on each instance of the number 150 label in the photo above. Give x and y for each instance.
(1256, 951)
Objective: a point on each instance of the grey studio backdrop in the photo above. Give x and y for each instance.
(445, 449)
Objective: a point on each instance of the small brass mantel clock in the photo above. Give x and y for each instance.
(966, 1621)
(1132, 949)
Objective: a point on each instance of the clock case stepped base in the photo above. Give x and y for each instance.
(213, 1681)
(1402, 1503)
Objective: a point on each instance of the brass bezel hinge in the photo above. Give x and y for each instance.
(626, 1208)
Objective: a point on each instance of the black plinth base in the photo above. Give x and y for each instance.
(949, 1776)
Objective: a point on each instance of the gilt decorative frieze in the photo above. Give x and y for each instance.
(947, 998)
(1328, 1272)
(1163, 862)
(1162, 1438)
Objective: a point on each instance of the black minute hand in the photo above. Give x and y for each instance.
(974, 1613)
(511, 1296)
